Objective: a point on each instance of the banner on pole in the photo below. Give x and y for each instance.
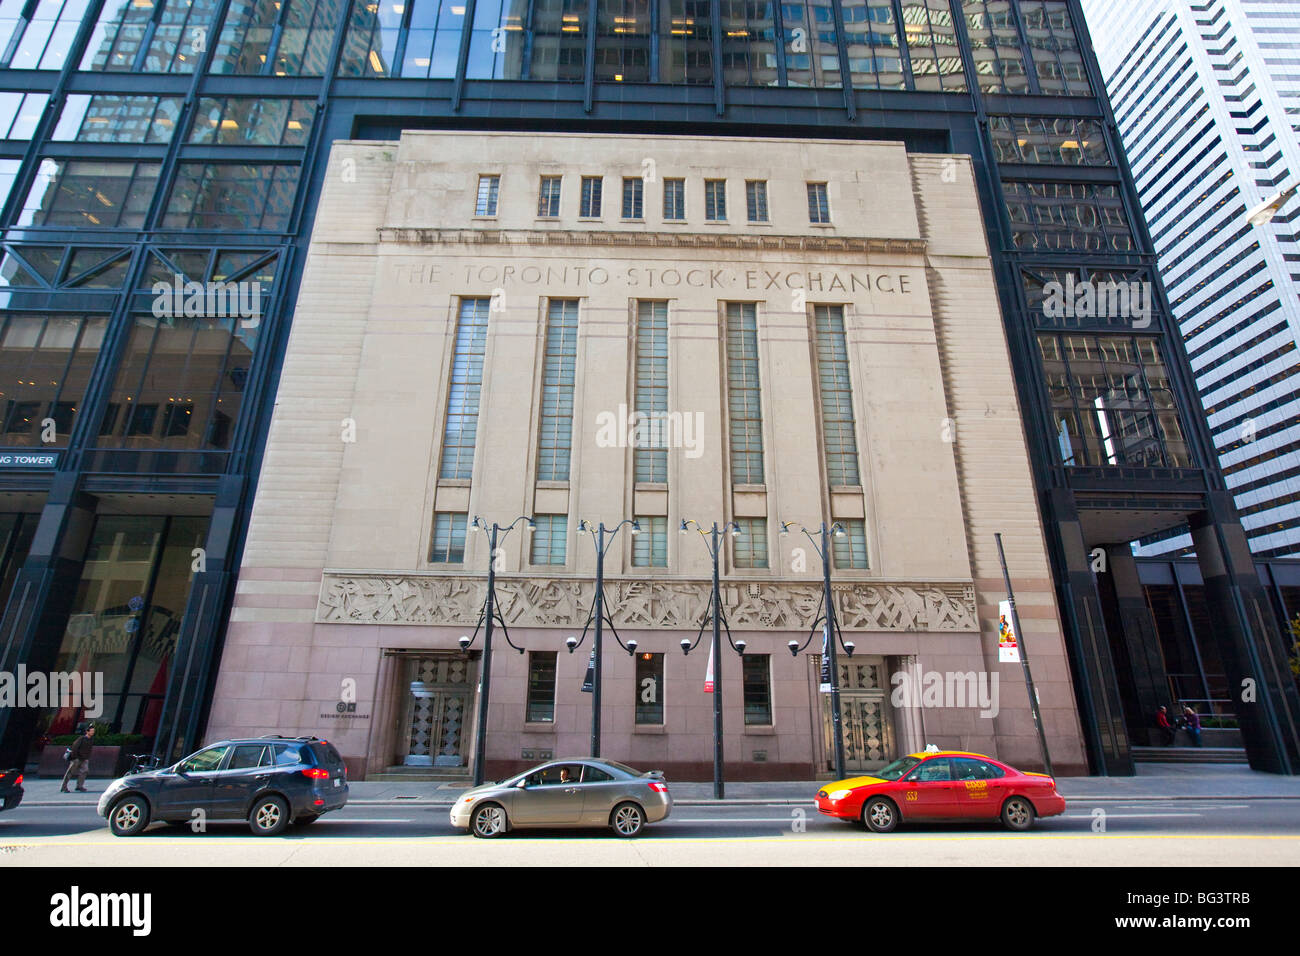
(825, 686)
(589, 682)
(708, 674)
(1008, 642)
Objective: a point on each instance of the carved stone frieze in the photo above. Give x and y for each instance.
(373, 598)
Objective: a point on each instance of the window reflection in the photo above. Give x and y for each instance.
(48, 38)
(1039, 140)
(179, 384)
(685, 42)
(276, 37)
(258, 122)
(45, 365)
(230, 196)
(1112, 401)
(90, 193)
(118, 119)
(871, 35)
(1057, 216)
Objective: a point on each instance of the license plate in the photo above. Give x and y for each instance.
(338, 782)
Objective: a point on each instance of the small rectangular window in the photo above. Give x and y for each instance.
(488, 188)
(548, 201)
(649, 688)
(715, 200)
(549, 539)
(541, 687)
(650, 547)
(757, 679)
(750, 546)
(819, 207)
(850, 549)
(756, 200)
(590, 205)
(632, 194)
(448, 545)
(674, 199)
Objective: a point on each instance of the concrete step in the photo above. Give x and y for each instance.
(1222, 755)
(401, 774)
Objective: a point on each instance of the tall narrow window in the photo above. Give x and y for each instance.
(448, 544)
(590, 205)
(633, 190)
(650, 455)
(715, 200)
(555, 442)
(819, 203)
(463, 390)
(549, 539)
(836, 396)
(674, 199)
(650, 547)
(750, 546)
(850, 549)
(541, 687)
(488, 188)
(756, 200)
(548, 200)
(757, 681)
(744, 400)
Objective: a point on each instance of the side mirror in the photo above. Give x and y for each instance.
(522, 784)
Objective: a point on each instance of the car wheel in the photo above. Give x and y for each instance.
(627, 819)
(129, 816)
(269, 816)
(489, 821)
(1017, 814)
(302, 821)
(880, 815)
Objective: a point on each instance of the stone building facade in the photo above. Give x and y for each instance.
(603, 327)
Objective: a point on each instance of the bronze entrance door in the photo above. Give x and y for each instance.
(865, 715)
(441, 691)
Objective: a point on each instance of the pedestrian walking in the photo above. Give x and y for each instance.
(1165, 727)
(79, 760)
(1192, 724)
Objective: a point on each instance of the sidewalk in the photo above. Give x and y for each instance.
(1153, 782)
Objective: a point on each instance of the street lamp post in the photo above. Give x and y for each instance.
(487, 617)
(713, 541)
(602, 537)
(830, 631)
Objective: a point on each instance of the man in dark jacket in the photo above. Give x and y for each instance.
(79, 760)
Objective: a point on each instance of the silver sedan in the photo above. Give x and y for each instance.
(581, 792)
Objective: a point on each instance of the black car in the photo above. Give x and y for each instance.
(11, 789)
(268, 781)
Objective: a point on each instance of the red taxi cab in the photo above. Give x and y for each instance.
(943, 785)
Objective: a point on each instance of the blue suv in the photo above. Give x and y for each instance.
(269, 781)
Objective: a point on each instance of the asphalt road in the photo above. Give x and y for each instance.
(1147, 832)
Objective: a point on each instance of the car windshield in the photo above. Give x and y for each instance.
(895, 770)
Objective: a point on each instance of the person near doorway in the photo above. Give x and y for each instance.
(1166, 729)
(79, 760)
(1192, 724)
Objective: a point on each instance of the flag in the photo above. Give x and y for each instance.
(708, 674)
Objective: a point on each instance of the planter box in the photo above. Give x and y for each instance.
(106, 761)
